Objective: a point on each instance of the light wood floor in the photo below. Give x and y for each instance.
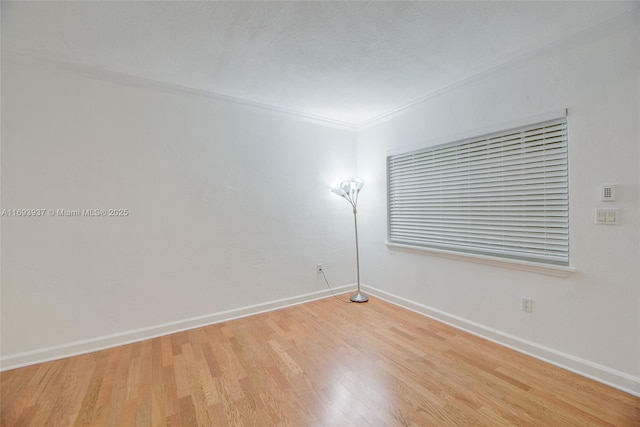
(324, 363)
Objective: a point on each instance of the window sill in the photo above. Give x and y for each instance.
(533, 267)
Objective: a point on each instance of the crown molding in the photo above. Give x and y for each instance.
(160, 86)
(614, 25)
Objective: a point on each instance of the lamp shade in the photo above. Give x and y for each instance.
(338, 191)
(349, 189)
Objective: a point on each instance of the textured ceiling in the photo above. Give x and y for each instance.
(345, 61)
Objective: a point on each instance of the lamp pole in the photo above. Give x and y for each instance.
(358, 296)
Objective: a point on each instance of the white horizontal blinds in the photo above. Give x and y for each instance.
(504, 194)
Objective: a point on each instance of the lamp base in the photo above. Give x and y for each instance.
(359, 297)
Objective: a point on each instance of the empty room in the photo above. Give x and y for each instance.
(318, 213)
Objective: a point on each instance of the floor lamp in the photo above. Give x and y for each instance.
(349, 190)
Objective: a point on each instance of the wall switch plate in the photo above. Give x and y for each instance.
(526, 304)
(608, 193)
(607, 216)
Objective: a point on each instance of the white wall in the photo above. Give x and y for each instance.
(229, 207)
(589, 321)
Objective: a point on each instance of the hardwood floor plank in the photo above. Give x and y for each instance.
(87, 407)
(323, 363)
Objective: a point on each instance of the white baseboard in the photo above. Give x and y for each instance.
(620, 380)
(18, 360)
(600, 373)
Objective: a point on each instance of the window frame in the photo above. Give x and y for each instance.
(556, 268)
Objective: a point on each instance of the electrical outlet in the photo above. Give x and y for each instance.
(526, 304)
(319, 268)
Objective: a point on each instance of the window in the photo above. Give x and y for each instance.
(504, 194)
